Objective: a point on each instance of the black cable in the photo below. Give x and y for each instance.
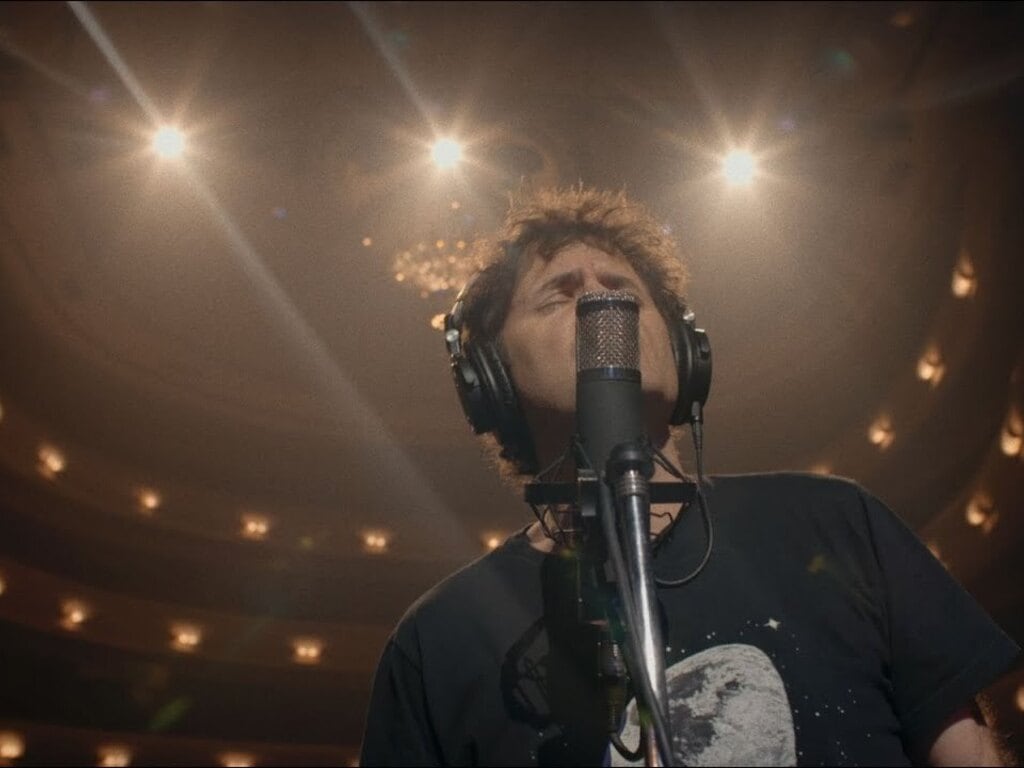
(626, 752)
(698, 448)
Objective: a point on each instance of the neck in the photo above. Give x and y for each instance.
(662, 515)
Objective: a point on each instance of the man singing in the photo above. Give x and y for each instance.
(811, 628)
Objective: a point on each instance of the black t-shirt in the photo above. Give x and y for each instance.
(821, 632)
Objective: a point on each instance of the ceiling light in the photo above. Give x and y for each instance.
(492, 540)
(114, 756)
(367, 241)
(881, 433)
(375, 542)
(73, 614)
(965, 282)
(307, 650)
(981, 513)
(185, 637)
(169, 142)
(446, 153)
(255, 527)
(1011, 438)
(1020, 698)
(51, 462)
(12, 746)
(3, 585)
(739, 167)
(148, 499)
(930, 367)
(236, 760)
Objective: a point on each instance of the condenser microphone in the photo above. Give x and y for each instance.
(609, 397)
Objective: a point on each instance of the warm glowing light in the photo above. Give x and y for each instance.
(149, 500)
(255, 527)
(930, 367)
(307, 650)
(822, 468)
(981, 512)
(965, 282)
(933, 547)
(902, 19)
(1011, 438)
(446, 153)
(1, 411)
(169, 142)
(1020, 698)
(456, 205)
(3, 585)
(492, 540)
(114, 756)
(236, 760)
(739, 167)
(73, 614)
(881, 433)
(12, 746)
(367, 241)
(375, 542)
(51, 462)
(185, 637)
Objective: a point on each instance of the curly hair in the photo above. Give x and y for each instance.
(542, 224)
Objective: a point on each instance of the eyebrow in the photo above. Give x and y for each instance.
(563, 279)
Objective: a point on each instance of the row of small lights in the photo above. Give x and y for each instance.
(12, 747)
(51, 463)
(980, 511)
(184, 637)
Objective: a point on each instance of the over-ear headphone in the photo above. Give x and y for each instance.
(489, 398)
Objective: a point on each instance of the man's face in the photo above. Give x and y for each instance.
(540, 332)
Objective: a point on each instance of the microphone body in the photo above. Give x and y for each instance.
(609, 396)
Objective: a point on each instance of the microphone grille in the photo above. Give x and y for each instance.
(607, 331)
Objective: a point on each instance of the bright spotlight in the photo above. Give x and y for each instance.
(169, 142)
(739, 167)
(447, 153)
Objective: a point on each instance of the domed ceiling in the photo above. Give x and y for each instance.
(230, 452)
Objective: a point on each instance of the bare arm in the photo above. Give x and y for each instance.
(968, 739)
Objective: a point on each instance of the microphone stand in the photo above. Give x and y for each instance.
(629, 471)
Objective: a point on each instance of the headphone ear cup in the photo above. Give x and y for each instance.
(692, 351)
(470, 387)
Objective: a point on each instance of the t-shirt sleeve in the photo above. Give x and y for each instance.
(398, 730)
(944, 648)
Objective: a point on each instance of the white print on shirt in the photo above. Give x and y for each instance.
(728, 706)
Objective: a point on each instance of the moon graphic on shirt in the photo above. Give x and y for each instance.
(728, 706)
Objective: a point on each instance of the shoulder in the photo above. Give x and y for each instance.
(786, 490)
(467, 595)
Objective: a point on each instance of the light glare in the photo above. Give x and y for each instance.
(447, 153)
(739, 167)
(169, 142)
